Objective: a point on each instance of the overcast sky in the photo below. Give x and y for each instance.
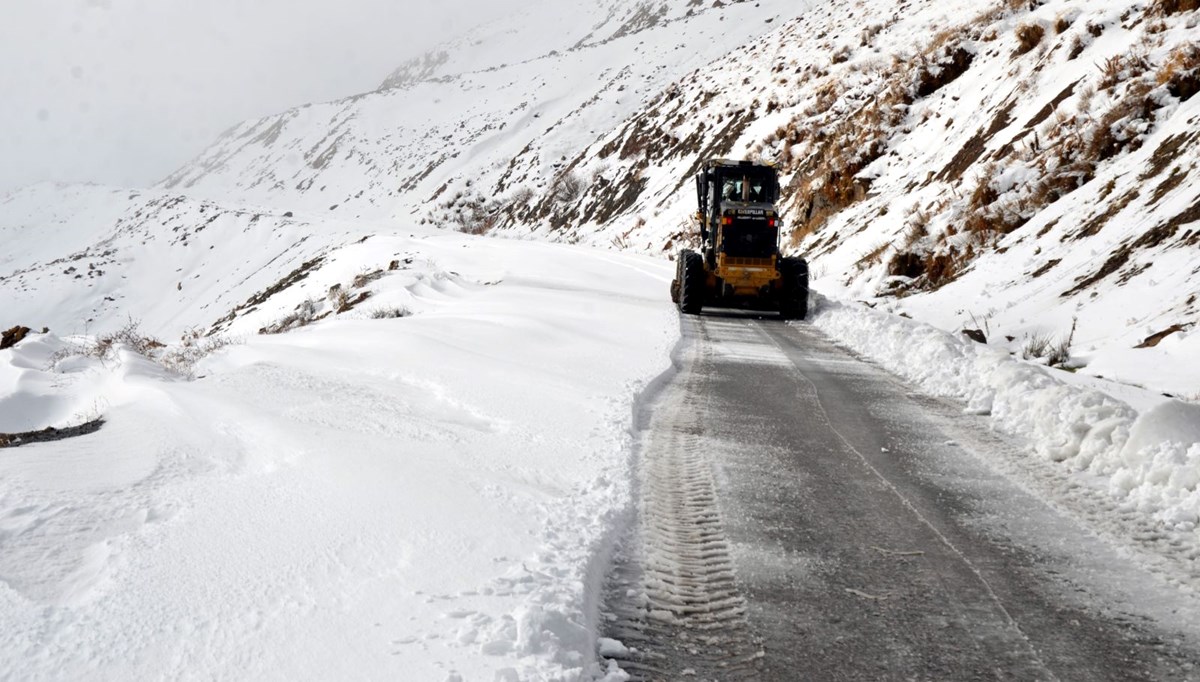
(125, 91)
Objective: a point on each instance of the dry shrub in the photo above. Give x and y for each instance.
(193, 347)
(130, 336)
(304, 315)
(567, 188)
(942, 268)
(939, 68)
(1165, 7)
(339, 297)
(843, 144)
(365, 277)
(1078, 45)
(390, 313)
(868, 34)
(181, 359)
(917, 227)
(1121, 68)
(1042, 346)
(476, 216)
(1036, 346)
(1029, 36)
(521, 197)
(846, 126)
(1180, 73)
(1115, 131)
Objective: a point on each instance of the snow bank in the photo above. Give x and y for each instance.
(1151, 459)
(427, 497)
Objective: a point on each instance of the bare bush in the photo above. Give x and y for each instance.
(181, 359)
(338, 296)
(365, 277)
(104, 347)
(193, 347)
(1181, 71)
(390, 312)
(476, 217)
(567, 188)
(1123, 67)
(1029, 36)
(1059, 353)
(1165, 7)
(521, 197)
(302, 316)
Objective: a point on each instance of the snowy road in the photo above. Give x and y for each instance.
(803, 515)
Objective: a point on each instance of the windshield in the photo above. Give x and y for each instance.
(753, 187)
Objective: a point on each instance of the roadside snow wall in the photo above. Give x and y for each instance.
(1149, 460)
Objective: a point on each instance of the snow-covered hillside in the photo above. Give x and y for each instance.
(1026, 169)
(450, 127)
(540, 85)
(1020, 168)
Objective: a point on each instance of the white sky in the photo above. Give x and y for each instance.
(125, 91)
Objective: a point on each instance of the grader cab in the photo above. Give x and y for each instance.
(739, 263)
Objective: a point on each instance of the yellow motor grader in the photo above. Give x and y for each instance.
(739, 263)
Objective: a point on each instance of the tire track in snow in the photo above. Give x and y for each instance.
(672, 599)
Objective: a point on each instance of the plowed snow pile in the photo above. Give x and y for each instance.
(1146, 454)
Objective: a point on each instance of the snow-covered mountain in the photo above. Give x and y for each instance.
(1021, 168)
(1026, 169)
(540, 85)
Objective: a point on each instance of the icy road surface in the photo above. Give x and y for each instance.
(804, 515)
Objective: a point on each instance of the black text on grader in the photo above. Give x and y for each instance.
(739, 264)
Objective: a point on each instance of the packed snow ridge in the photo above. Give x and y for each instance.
(334, 428)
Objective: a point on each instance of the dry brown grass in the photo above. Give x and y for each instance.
(1166, 7)
(1114, 132)
(1029, 36)
(1123, 67)
(943, 268)
(1180, 72)
(873, 257)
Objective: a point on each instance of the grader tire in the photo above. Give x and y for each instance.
(691, 282)
(793, 304)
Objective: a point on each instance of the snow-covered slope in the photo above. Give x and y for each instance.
(1034, 189)
(1018, 168)
(1026, 190)
(540, 85)
(426, 485)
